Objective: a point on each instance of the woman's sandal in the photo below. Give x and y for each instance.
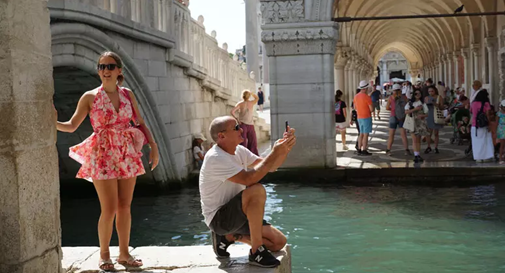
(131, 262)
(105, 265)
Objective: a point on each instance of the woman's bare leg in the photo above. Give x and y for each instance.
(107, 191)
(414, 143)
(123, 218)
(436, 138)
(342, 133)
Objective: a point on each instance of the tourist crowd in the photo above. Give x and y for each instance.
(421, 111)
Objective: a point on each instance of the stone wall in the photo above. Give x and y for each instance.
(29, 198)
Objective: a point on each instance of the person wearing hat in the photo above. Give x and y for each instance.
(364, 107)
(376, 101)
(396, 106)
(198, 150)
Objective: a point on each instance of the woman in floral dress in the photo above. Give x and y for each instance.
(415, 109)
(111, 156)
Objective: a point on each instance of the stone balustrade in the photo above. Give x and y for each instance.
(200, 51)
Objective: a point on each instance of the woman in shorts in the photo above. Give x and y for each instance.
(341, 117)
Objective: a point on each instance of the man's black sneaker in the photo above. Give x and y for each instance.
(220, 244)
(365, 153)
(263, 258)
(418, 159)
(357, 152)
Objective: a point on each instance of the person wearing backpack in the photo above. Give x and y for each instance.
(482, 139)
(396, 106)
(341, 117)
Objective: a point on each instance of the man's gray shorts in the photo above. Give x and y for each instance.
(230, 218)
(376, 105)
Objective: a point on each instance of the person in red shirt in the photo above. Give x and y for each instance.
(364, 108)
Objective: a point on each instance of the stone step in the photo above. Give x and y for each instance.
(181, 259)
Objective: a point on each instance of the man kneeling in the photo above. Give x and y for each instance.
(233, 202)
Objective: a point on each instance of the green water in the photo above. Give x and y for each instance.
(337, 229)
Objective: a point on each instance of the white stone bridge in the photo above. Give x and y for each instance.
(180, 76)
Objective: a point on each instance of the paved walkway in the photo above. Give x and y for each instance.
(451, 155)
(378, 143)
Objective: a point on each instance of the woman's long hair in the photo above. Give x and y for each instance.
(338, 95)
(196, 144)
(119, 63)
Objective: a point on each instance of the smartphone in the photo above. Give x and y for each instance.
(287, 124)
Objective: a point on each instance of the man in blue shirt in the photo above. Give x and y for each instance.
(376, 102)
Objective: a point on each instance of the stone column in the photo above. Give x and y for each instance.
(301, 81)
(349, 91)
(385, 73)
(465, 53)
(252, 39)
(341, 58)
(457, 82)
(448, 61)
(476, 63)
(491, 44)
(30, 237)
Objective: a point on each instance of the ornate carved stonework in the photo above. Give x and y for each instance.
(341, 56)
(282, 11)
(310, 40)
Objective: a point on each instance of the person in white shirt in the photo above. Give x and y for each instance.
(233, 202)
(476, 87)
(198, 150)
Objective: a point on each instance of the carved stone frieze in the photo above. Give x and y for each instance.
(300, 40)
(282, 11)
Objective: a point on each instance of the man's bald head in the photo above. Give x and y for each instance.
(218, 125)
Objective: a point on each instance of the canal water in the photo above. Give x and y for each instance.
(336, 229)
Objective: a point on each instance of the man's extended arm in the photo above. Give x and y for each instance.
(263, 166)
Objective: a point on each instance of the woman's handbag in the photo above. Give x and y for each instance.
(134, 118)
(409, 123)
(438, 115)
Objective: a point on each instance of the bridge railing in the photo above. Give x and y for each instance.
(174, 18)
(206, 53)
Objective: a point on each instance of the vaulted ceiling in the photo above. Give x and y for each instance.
(418, 39)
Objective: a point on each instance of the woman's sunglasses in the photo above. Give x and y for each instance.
(110, 67)
(418, 94)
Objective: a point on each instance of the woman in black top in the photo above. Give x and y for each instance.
(261, 99)
(340, 117)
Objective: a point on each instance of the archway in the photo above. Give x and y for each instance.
(78, 46)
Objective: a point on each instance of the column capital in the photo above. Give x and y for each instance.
(475, 48)
(491, 42)
(287, 32)
(448, 56)
(341, 56)
(456, 54)
(465, 53)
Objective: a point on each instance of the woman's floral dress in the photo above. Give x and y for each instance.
(113, 151)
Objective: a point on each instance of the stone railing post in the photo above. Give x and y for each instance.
(30, 237)
(301, 56)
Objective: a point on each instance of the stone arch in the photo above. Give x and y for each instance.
(94, 41)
